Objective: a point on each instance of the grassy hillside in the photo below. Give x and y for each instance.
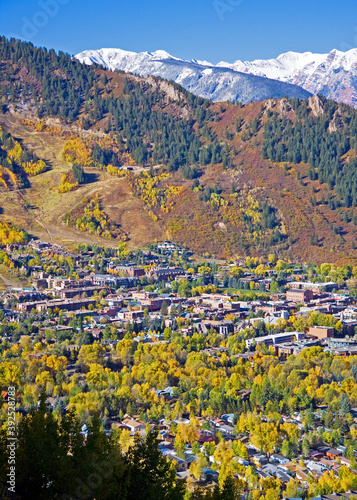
(223, 179)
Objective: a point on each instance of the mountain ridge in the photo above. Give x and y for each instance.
(333, 74)
(198, 77)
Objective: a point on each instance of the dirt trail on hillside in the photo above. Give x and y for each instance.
(8, 283)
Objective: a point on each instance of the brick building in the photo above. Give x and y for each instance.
(321, 332)
(299, 296)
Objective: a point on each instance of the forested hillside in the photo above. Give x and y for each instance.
(223, 179)
(322, 142)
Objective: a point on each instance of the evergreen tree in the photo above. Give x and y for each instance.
(78, 173)
(164, 309)
(345, 405)
(305, 447)
(151, 476)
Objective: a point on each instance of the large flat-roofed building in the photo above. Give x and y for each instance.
(43, 305)
(164, 273)
(68, 293)
(296, 348)
(321, 332)
(296, 295)
(278, 338)
(343, 342)
(133, 271)
(314, 287)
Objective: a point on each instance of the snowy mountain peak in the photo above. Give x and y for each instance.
(162, 54)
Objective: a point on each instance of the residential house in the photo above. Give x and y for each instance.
(133, 425)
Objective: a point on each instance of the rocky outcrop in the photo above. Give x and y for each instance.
(316, 105)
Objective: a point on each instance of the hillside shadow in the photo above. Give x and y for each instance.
(90, 178)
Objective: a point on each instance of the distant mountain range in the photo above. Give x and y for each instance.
(217, 83)
(292, 74)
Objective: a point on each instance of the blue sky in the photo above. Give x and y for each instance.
(203, 29)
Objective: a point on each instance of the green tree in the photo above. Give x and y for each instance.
(345, 405)
(151, 476)
(305, 447)
(40, 456)
(286, 449)
(164, 309)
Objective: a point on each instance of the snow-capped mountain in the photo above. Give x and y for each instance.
(218, 83)
(333, 75)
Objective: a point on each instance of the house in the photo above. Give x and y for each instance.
(314, 467)
(316, 455)
(182, 465)
(221, 327)
(167, 439)
(50, 402)
(132, 271)
(292, 467)
(210, 474)
(167, 393)
(133, 425)
(345, 461)
(259, 460)
(97, 333)
(227, 429)
(333, 453)
(283, 476)
(164, 273)
(270, 469)
(229, 418)
(130, 315)
(302, 477)
(278, 458)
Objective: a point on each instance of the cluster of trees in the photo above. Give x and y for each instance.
(135, 369)
(18, 161)
(59, 85)
(321, 142)
(152, 190)
(215, 153)
(34, 167)
(67, 184)
(105, 156)
(76, 150)
(140, 121)
(10, 234)
(90, 218)
(54, 462)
